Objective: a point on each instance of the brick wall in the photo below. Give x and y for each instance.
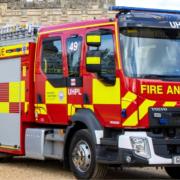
(52, 11)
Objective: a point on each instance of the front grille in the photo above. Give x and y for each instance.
(166, 142)
(164, 117)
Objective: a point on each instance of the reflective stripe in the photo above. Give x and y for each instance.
(128, 99)
(132, 120)
(91, 107)
(77, 27)
(143, 108)
(93, 60)
(169, 104)
(14, 50)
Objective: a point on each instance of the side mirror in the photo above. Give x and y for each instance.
(93, 39)
(93, 61)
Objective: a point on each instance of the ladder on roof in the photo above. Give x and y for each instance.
(15, 32)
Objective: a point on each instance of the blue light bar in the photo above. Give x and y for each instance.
(124, 8)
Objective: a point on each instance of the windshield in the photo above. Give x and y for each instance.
(150, 52)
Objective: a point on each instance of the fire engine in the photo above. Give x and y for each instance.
(94, 94)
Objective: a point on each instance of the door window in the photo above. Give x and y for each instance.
(108, 67)
(52, 57)
(74, 47)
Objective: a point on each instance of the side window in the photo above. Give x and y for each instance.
(108, 69)
(52, 57)
(74, 48)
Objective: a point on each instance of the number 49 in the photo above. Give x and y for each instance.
(73, 46)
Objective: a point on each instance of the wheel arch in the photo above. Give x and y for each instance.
(83, 119)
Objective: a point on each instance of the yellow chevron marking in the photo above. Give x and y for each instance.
(143, 108)
(169, 104)
(128, 99)
(132, 120)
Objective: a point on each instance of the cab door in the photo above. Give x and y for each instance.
(50, 81)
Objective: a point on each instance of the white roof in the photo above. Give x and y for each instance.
(151, 4)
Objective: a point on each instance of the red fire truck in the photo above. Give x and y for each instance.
(94, 94)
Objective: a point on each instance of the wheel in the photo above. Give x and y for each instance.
(173, 172)
(82, 157)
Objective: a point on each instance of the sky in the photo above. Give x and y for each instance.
(158, 4)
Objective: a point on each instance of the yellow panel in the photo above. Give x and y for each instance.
(169, 104)
(4, 107)
(103, 94)
(55, 95)
(93, 38)
(14, 92)
(93, 60)
(41, 109)
(143, 108)
(132, 120)
(14, 50)
(128, 99)
(22, 91)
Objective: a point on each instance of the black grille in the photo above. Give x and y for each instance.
(170, 117)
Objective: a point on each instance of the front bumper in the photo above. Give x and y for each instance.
(121, 152)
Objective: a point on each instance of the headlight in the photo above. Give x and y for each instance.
(140, 146)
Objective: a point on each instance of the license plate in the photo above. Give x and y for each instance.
(176, 160)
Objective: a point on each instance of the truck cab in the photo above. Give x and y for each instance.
(118, 78)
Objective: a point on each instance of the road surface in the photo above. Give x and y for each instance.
(22, 169)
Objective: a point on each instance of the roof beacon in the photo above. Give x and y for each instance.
(171, 6)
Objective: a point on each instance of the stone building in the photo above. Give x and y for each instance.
(52, 11)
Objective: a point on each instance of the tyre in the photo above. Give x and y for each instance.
(82, 157)
(173, 172)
